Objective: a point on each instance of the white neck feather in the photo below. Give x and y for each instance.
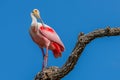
(34, 20)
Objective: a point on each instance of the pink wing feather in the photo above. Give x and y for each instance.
(50, 34)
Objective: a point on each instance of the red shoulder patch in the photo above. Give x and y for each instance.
(47, 29)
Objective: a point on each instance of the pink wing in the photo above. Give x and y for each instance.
(50, 33)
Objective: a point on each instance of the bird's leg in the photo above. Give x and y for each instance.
(46, 57)
(43, 58)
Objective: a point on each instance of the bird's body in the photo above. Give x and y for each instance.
(45, 37)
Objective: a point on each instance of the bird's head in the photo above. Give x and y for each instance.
(36, 13)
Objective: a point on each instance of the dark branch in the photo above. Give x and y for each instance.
(55, 73)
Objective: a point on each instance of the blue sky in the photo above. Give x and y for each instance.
(20, 57)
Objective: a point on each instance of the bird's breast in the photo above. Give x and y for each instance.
(40, 39)
(37, 37)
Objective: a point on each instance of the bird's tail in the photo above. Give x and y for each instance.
(57, 51)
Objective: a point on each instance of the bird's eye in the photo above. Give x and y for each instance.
(35, 10)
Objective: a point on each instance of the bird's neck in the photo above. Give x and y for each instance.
(34, 20)
(35, 23)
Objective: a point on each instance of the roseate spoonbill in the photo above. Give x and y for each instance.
(45, 37)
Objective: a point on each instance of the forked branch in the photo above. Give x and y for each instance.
(55, 73)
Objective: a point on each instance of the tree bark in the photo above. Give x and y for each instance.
(55, 73)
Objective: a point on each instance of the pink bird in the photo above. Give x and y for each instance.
(45, 37)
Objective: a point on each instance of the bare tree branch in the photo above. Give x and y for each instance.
(55, 73)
